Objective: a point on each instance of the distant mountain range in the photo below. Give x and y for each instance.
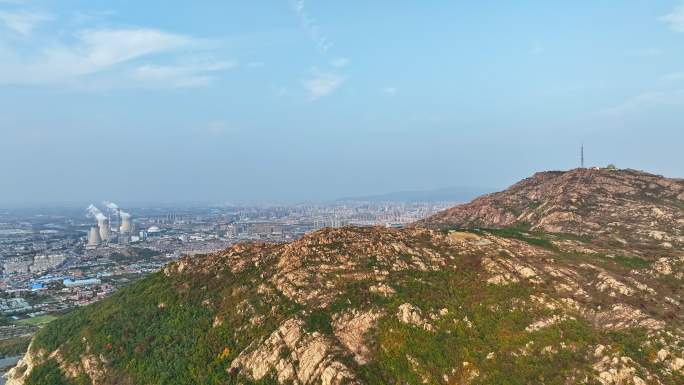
(448, 194)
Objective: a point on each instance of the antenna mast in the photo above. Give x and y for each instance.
(582, 156)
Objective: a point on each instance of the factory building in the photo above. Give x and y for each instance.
(81, 282)
(103, 233)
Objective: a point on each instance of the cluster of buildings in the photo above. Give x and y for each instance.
(36, 264)
(103, 233)
(55, 261)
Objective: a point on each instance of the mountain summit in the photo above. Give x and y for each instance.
(565, 278)
(618, 205)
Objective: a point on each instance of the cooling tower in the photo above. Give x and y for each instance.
(125, 224)
(103, 223)
(94, 237)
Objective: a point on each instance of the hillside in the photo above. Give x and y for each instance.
(532, 302)
(614, 205)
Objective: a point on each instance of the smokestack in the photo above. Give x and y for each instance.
(125, 223)
(94, 237)
(103, 224)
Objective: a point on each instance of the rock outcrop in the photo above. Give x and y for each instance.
(615, 205)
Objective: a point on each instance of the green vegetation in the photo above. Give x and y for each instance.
(532, 239)
(161, 330)
(482, 320)
(679, 204)
(630, 262)
(319, 320)
(520, 233)
(188, 328)
(37, 321)
(14, 346)
(619, 263)
(49, 373)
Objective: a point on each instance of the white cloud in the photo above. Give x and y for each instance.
(340, 62)
(180, 76)
(22, 22)
(311, 26)
(98, 49)
(82, 17)
(675, 19)
(92, 52)
(323, 83)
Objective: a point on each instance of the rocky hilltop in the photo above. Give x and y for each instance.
(618, 205)
(467, 297)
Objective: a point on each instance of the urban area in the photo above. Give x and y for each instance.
(56, 260)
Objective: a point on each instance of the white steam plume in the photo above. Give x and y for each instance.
(94, 212)
(114, 207)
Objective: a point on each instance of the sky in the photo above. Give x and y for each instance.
(301, 100)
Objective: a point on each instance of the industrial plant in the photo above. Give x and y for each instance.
(106, 231)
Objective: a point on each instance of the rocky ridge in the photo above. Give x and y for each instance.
(419, 305)
(619, 206)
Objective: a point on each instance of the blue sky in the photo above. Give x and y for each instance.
(218, 101)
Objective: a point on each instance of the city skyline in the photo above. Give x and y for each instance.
(292, 101)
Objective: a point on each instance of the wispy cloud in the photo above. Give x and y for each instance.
(646, 100)
(112, 53)
(91, 51)
(22, 22)
(340, 62)
(311, 26)
(646, 52)
(181, 76)
(79, 17)
(675, 19)
(220, 127)
(12, 1)
(390, 90)
(98, 49)
(323, 83)
(673, 77)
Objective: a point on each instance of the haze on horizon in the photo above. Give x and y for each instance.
(311, 100)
